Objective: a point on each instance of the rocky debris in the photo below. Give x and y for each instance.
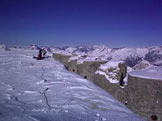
(114, 70)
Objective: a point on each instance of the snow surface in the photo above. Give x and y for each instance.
(110, 64)
(152, 72)
(115, 81)
(111, 76)
(43, 90)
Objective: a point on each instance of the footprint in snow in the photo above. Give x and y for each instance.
(30, 92)
(42, 81)
(11, 88)
(32, 64)
(13, 98)
(103, 119)
(34, 119)
(97, 114)
(66, 111)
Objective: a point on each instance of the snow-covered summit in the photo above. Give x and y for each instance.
(154, 55)
(33, 47)
(131, 56)
(2, 46)
(100, 51)
(142, 65)
(82, 48)
(110, 64)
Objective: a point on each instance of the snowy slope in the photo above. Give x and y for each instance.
(154, 56)
(44, 90)
(152, 72)
(100, 51)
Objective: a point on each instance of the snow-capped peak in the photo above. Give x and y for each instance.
(33, 47)
(2, 46)
(131, 56)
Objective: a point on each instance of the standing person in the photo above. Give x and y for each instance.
(44, 52)
(121, 80)
(39, 55)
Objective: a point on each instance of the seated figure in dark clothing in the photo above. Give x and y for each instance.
(39, 55)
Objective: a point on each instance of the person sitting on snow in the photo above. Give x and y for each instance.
(39, 55)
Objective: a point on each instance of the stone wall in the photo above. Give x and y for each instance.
(142, 96)
(87, 69)
(145, 97)
(62, 58)
(114, 89)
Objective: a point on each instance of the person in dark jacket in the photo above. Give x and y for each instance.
(39, 55)
(121, 80)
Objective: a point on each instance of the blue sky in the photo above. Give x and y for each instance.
(115, 23)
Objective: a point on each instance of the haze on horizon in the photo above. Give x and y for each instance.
(115, 23)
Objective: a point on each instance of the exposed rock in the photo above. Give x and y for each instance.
(114, 71)
(154, 56)
(114, 89)
(132, 60)
(87, 69)
(62, 58)
(142, 65)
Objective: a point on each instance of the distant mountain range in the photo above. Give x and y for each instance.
(131, 56)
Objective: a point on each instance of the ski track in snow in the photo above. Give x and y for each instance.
(43, 90)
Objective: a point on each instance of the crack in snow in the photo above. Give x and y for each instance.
(44, 94)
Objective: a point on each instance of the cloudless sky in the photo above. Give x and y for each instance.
(115, 23)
